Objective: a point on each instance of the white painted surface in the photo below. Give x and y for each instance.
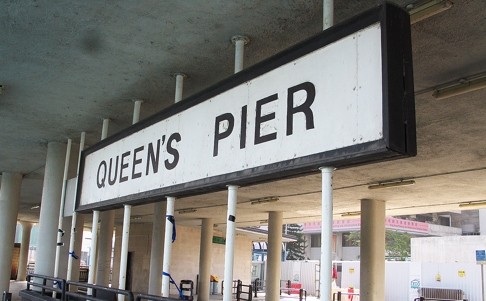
(303, 272)
(51, 202)
(447, 249)
(347, 111)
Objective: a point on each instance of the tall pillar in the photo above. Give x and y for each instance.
(326, 234)
(372, 263)
(76, 230)
(274, 256)
(24, 250)
(482, 221)
(117, 255)
(229, 251)
(168, 246)
(64, 249)
(9, 207)
(94, 247)
(49, 212)
(157, 247)
(105, 243)
(122, 279)
(75, 248)
(205, 252)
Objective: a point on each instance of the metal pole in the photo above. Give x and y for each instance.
(328, 14)
(482, 283)
(72, 238)
(61, 209)
(104, 129)
(170, 208)
(179, 86)
(94, 246)
(124, 248)
(167, 247)
(94, 229)
(230, 243)
(136, 110)
(239, 42)
(326, 234)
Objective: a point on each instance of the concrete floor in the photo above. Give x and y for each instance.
(17, 286)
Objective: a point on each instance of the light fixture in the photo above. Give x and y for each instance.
(427, 9)
(463, 86)
(264, 200)
(481, 203)
(136, 217)
(351, 213)
(187, 210)
(389, 184)
(37, 206)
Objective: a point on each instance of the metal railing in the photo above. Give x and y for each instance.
(98, 293)
(48, 285)
(235, 286)
(244, 292)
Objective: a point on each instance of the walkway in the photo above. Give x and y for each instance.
(16, 286)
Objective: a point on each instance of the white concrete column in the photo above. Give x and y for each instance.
(49, 212)
(239, 42)
(326, 234)
(64, 249)
(9, 207)
(24, 250)
(372, 252)
(274, 255)
(229, 251)
(75, 248)
(127, 212)
(105, 244)
(482, 221)
(168, 246)
(156, 249)
(94, 247)
(61, 212)
(205, 254)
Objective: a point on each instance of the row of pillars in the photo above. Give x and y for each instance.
(372, 254)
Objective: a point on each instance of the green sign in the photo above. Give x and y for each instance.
(219, 240)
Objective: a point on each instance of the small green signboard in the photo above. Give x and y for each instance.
(219, 240)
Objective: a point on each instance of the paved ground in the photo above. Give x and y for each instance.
(16, 286)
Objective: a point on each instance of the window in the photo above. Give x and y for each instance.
(316, 240)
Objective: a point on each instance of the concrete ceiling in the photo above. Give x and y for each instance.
(66, 65)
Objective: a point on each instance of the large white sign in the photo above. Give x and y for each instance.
(299, 113)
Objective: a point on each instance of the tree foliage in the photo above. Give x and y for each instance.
(295, 250)
(397, 244)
